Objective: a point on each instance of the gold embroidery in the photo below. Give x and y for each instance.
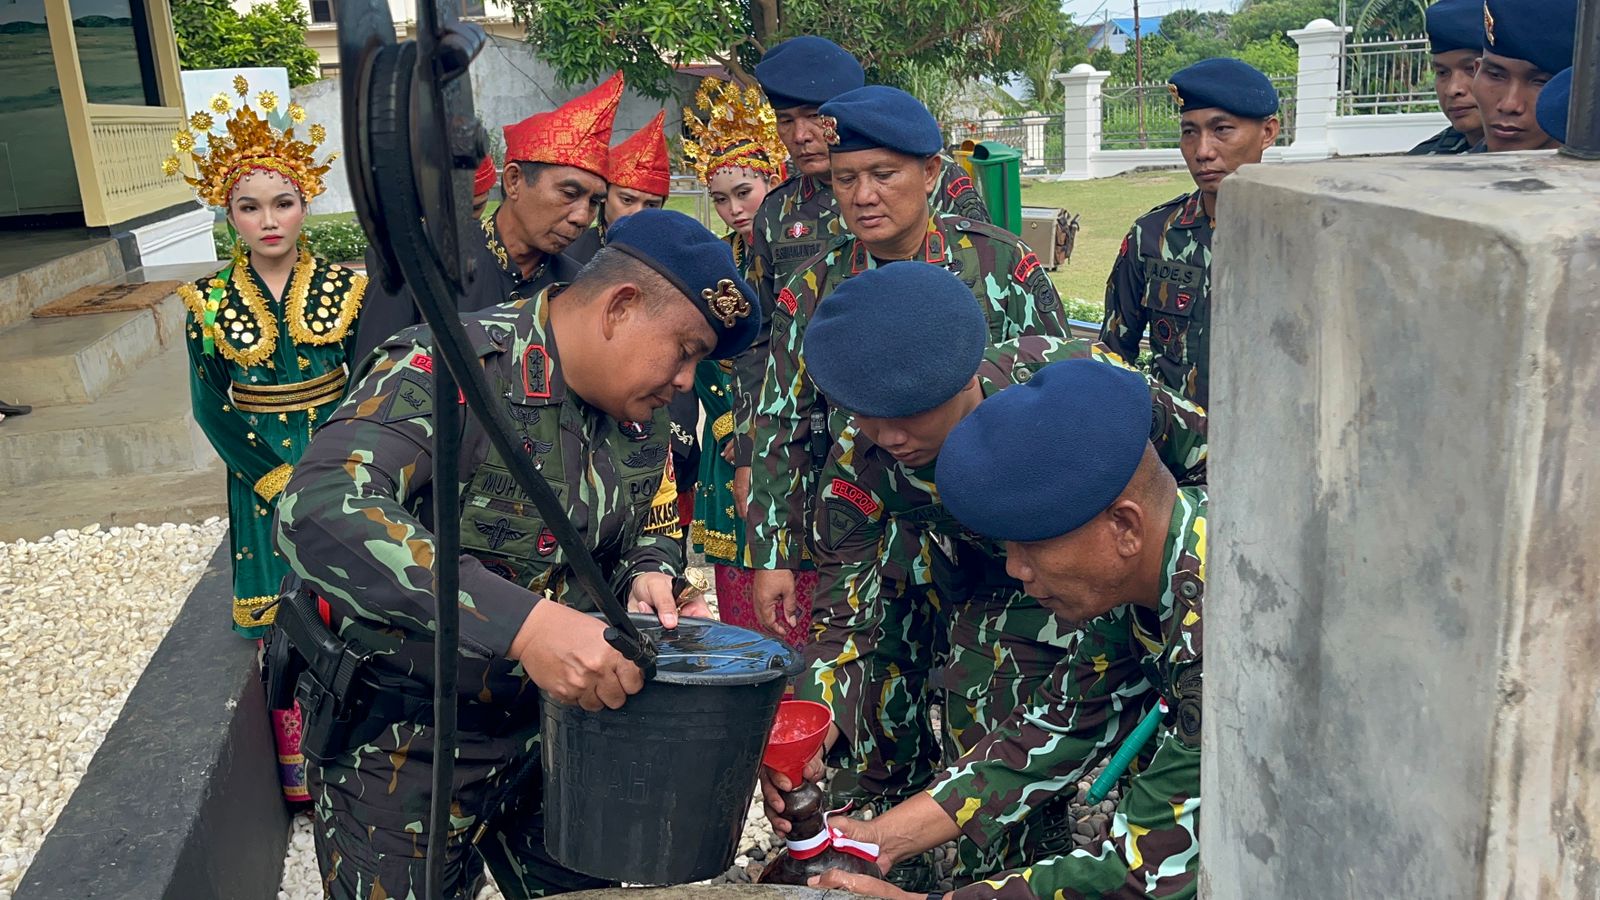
(194, 300)
(713, 543)
(244, 607)
(271, 484)
(321, 333)
(494, 245)
(723, 426)
(260, 344)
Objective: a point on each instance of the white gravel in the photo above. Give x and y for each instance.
(81, 612)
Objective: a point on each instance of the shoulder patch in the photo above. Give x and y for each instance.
(958, 186)
(788, 302)
(422, 362)
(855, 496)
(411, 399)
(1030, 273)
(536, 372)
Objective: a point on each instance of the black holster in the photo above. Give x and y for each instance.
(821, 441)
(307, 663)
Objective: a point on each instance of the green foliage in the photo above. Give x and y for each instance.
(1274, 56)
(335, 238)
(901, 42)
(212, 35)
(1259, 20)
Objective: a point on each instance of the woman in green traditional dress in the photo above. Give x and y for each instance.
(738, 156)
(268, 338)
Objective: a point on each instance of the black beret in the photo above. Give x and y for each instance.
(1541, 32)
(699, 264)
(1226, 84)
(1041, 459)
(877, 116)
(896, 341)
(807, 71)
(1455, 25)
(1551, 110)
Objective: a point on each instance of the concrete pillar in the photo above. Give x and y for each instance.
(1402, 634)
(1081, 118)
(1033, 139)
(1321, 46)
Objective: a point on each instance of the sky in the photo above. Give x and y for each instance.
(1087, 10)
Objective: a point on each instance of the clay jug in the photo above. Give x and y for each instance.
(807, 850)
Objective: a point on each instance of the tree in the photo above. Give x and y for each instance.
(1259, 20)
(898, 41)
(212, 35)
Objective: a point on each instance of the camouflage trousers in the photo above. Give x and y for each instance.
(1003, 647)
(872, 669)
(371, 810)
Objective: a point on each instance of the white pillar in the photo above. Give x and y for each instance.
(1321, 45)
(1081, 118)
(1033, 138)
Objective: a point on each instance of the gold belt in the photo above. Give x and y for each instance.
(297, 397)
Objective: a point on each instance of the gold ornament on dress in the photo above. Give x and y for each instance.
(250, 144)
(739, 129)
(271, 484)
(726, 302)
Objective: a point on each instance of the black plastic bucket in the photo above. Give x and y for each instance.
(657, 792)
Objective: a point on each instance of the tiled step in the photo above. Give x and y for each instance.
(25, 291)
(35, 510)
(74, 359)
(140, 425)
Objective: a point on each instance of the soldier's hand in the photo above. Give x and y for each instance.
(862, 830)
(865, 885)
(727, 452)
(652, 593)
(566, 654)
(772, 590)
(741, 490)
(773, 782)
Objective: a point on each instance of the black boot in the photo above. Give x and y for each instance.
(7, 409)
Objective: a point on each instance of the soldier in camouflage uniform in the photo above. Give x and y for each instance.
(1455, 36)
(905, 351)
(1100, 531)
(800, 218)
(884, 144)
(355, 523)
(1162, 276)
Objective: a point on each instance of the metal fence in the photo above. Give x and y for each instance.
(1145, 116)
(1387, 75)
(1042, 143)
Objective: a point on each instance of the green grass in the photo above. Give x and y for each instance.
(1107, 208)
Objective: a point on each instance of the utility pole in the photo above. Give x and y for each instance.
(1138, 70)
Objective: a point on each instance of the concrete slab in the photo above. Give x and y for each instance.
(182, 799)
(35, 510)
(38, 267)
(73, 359)
(141, 425)
(1401, 628)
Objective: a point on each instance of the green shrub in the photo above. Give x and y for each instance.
(335, 240)
(1080, 310)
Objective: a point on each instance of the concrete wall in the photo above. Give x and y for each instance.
(509, 83)
(1403, 667)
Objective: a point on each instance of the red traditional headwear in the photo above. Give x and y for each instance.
(577, 134)
(640, 162)
(483, 180)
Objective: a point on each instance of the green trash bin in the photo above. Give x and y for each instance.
(999, 175)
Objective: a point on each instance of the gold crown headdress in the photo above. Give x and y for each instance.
(740, 130)
(251, 143)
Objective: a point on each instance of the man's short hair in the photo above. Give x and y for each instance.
(611, 266)
(531, 171)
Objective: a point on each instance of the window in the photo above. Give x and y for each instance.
(472, 9)
(322, 12)
(115, 53)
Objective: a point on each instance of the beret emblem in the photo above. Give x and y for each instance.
(1176, 97)
(830, 129)
(1488, 25)
(726, 302)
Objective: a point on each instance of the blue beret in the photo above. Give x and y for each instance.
(1551, 110)
(807, 71)
(878, 116)
(1541, 32)
(699, 264)
(896, 340)
(1225, 84)
(1040, 459)
(1455, 25)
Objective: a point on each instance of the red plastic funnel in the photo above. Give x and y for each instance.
(796, 734)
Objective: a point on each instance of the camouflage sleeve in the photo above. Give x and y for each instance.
(1177, 425)
(1153, 850)
(1090, 703)
(781, 483)
(1024, 298)
(850, 548)
(345, 522)
(1125, 317)
(750, 367)
(956, 195)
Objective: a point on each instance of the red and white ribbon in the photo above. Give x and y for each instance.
(834, 838)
